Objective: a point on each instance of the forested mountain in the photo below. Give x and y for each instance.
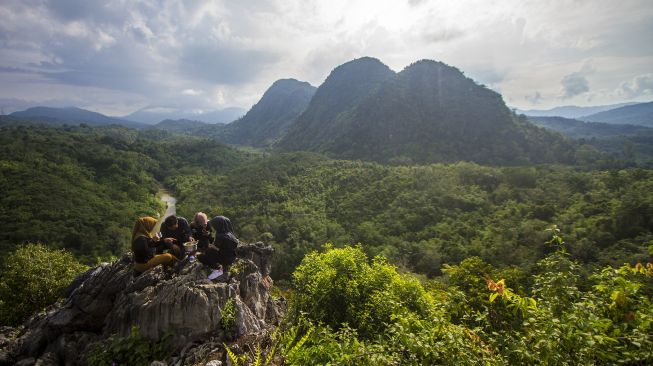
(270, 118)
(630, 144)
(72, 115)
(344, 88)
(184, 126)
(580, 129)
(638, 114)
(429, 112)
(570, 111)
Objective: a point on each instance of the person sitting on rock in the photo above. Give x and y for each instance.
(201, 231)
(210, 258)
(225, 241)
(175, 231)
(144, 244)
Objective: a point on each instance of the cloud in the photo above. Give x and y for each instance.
(638, 86)
(192, 92)
(121, 55)
(415, 2)
(443, 35)
(535, 98)
(574, 84)
(224, 65)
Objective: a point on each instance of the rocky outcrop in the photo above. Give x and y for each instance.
(180, 302)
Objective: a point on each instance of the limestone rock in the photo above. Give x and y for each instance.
(183, 303)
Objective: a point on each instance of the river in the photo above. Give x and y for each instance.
(171, 206)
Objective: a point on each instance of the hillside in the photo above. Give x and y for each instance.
(183, 126)
(345, 87)
(423, 216)
(81, 188)
(72, 115)
(270, 118)
(577, 129)
(638, 114)
(570, 111)
(429, 112)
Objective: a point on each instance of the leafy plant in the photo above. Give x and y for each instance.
(228, 315)
(33, 277)
(133, 350)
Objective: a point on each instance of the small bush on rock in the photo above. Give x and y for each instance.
(32, 278)
(133, 350)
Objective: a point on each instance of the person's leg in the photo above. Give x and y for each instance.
(155, 261)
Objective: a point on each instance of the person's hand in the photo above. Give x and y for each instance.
(168, 240)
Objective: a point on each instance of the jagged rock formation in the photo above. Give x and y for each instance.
(109, 300)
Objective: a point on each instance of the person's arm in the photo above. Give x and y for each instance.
(154, 242)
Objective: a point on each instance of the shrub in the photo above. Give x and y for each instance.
(32, 278)
(340, 287)
(228, 315)
(133, 350)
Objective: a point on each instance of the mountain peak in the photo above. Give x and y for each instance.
(365, 65)
(428, 112)
(271, 116)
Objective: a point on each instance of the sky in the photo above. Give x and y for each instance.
(119, 56)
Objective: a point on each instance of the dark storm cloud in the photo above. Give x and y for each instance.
(574, 84)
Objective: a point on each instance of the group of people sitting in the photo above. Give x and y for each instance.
(215, 240)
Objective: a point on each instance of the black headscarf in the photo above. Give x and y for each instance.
(223, 228)
(225, 240)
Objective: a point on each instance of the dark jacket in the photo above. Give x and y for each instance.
(181, 234)
(210, 257)
(143, 249)
(225, 240)
(203, 235)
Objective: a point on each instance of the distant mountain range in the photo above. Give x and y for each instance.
(570, 111)
(71, 115)
(155, 115)
(141, 119)
(576, 129)
(636, 114)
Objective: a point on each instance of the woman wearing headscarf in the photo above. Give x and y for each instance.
(201, 231)
(225, 242)
(144, 243)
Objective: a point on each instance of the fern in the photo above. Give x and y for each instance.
(235, 359)
(257, 359)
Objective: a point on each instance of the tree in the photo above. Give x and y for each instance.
(32, 278)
